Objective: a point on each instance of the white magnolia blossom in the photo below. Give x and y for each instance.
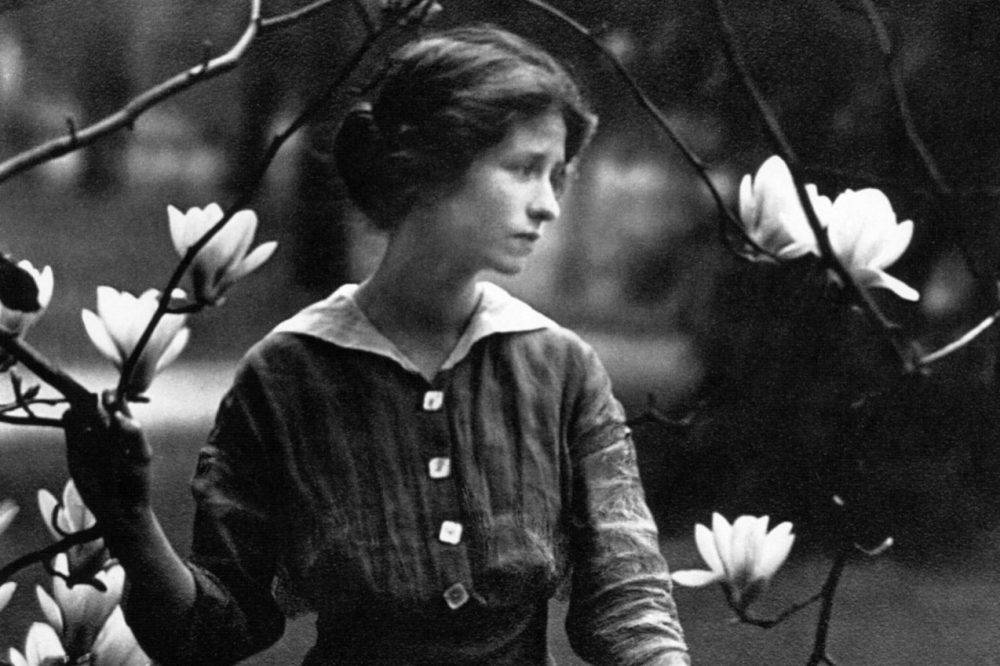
(18, 322)
(867, 237)
(771, 212)
(116, 328)
(743, 556)
(42, 647)
(224, 259)
(66, 516)
(864, 232)
(79, 613)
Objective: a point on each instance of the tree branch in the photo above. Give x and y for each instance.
(72, 390)
(828, 593)
(77, 138)
(902, 102)
(61, 546)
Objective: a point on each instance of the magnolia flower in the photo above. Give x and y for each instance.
(223, 260)
(66, 517)
(742, 556)
(772, 214)
(863, 229)
(866, 237)
(78, 613)
(18, 322)
(41, 648)
(116, 328)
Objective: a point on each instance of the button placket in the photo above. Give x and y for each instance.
(454, 571)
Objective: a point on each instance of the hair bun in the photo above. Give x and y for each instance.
(357, 150)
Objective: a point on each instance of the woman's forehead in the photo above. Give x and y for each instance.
(542, 133)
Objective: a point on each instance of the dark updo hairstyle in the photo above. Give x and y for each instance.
(446, 98)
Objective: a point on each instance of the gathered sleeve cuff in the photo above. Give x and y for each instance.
(621, 607)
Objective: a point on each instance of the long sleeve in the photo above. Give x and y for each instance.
(235, 540)
(621, 608)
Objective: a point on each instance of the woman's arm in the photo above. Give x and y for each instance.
(621, 608)
(215, 607)
(109, 460)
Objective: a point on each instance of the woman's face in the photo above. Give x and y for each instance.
(498, 211)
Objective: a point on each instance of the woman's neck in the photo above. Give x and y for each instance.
(420, 305)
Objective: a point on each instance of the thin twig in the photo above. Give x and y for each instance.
(858, 293)
(747, 618)
(902, 102)
(296, 15)
(46, 370)
(952, 347)
(43, 554)
(318, 103)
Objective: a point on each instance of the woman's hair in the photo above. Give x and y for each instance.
(446, 98)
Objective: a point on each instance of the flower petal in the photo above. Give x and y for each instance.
(52, 515)
(99, 336)
(50, 609)
(8, 511)
(695, 577)
(776, 548)
(883, 280)
(255, 260)
(6, 592)
(705, 541)
(115, 645)
(723, 534)
(42, 643)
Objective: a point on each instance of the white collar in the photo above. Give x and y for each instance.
(338, 319)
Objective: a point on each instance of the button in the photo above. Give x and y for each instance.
(433, 401)
(456, 596)
(451, 532)
(439, 468)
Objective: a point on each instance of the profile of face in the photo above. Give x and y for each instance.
(495, 215)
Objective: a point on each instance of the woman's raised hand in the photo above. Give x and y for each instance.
(108, 458)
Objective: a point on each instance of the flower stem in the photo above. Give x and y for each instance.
(61, 546)
(827, 594)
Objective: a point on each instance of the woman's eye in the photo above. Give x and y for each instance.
(558, 181)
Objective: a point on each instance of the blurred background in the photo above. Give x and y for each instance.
(780, 397)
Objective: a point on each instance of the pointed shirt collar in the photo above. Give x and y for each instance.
(338, 319)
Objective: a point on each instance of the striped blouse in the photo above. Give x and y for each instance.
(425, 521)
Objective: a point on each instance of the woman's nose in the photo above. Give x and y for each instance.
(544, 206)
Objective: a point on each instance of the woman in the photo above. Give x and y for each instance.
(421, 459)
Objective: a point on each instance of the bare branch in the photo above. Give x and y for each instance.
(126, 116)
(61, 546)
(902, 101)
(46, 370)
(819, 655)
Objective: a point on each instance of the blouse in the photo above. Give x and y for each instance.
(425, 522)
